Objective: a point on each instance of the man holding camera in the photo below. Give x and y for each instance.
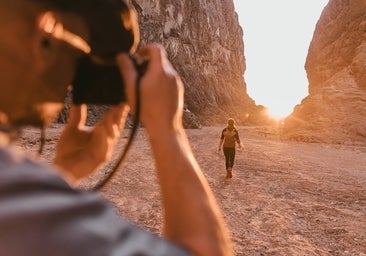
(41, 45)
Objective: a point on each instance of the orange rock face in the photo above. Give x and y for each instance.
(205, 44)
(335, 109)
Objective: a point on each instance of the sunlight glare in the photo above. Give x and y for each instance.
(279, 111)
(276, 41)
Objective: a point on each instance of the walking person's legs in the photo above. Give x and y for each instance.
(232, 158)
(231, 153)
(229, 160)
(227, 157)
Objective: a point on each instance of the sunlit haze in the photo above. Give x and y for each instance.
(277, 35)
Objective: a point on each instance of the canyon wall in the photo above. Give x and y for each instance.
(335, 109)
(204, 42)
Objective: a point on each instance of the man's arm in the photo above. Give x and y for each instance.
(221, 140)
(220, 144)
(238, 139)
(192, 218)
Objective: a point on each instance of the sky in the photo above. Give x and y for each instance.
(277, 35)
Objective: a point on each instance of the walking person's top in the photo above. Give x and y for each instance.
(229, 136)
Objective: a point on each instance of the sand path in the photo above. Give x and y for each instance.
(285, 198)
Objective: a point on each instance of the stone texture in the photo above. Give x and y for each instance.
(204, 42)
(335, 109)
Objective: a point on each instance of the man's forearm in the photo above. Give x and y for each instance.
(220, 143)
(192, 217)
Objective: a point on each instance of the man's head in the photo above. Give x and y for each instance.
(41, 43)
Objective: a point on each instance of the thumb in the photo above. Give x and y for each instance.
(77, 115)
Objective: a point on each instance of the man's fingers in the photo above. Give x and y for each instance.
(152, 51)
(77, 115)
(129, 75)
(114, 119)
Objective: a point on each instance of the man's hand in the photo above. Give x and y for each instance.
(161, 89)
(81, 149)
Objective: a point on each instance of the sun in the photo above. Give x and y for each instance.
(279, 111)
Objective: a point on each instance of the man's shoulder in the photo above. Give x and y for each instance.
(41, 204)
(16, 169)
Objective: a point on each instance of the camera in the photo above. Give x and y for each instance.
(113, 29)
(97, 84)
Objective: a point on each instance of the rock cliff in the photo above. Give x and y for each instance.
(335, 109)
(204, 42)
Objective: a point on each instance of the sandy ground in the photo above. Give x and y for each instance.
(285, 198)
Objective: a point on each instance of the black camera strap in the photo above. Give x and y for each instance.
(141, 68)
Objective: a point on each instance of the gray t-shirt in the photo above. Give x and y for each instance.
(41, 215)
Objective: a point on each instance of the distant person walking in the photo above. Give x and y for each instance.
(228, 140)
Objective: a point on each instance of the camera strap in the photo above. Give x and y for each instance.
(141, 68)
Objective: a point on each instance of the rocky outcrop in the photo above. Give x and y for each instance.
(204, 42)
(335, 109)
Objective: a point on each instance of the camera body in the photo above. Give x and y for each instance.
(113, 29)
(97, 84)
